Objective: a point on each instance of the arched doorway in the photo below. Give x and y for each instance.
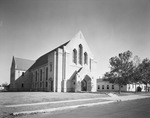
(83, 85)
(86, 84)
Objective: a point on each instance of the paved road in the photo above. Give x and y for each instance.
(127, 109)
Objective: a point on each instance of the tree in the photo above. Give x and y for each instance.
(5, 84)
(121, 69)
(136, 76)
(145, 71)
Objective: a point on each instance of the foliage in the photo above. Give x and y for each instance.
(145, 71)
(121, 69)
(5, 84)
(136, 76)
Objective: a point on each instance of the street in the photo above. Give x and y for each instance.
(127, 109)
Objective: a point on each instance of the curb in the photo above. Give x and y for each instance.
(126, 98)
(59, 108)
(139, 97)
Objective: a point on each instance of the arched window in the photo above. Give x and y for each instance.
(46, 73)
(75, 56)
(80, 54)
(36, 76)
(85, 58)
(41, 74)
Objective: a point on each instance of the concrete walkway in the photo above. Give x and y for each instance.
(125, 98)
(53, 102)
(71, 104)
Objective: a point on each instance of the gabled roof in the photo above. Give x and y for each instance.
(23, 64)
(79, 39)
(44, 58)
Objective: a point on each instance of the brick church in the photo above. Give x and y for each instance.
(70, 67)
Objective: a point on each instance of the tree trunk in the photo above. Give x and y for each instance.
(119, 89)
(146, 87)
(135, 88)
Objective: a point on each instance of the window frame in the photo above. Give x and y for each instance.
(107, 86)
(103, 86)
(80, 54)
(85, 58)
(113, 87)
(74, 56)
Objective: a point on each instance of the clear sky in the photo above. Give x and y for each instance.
(31, 28)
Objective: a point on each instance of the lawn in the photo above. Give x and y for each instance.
(11, 98)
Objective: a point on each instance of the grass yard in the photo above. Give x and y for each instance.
(11, 98)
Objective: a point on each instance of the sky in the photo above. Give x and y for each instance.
(31, 28)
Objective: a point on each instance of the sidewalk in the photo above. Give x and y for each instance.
(67, 104)
(125, 98)
(53, 106)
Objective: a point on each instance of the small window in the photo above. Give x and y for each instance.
(112, 86)
(22, 85)
(129, 87)
(102, 86)
(22, 73)
(98, 87)
(107, 86)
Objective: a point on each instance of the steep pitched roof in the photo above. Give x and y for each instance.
(23, 64)
(79, 39)
(44, 58)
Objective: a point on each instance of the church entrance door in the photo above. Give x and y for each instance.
(86, 84)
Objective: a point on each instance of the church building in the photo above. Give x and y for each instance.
(71, 67)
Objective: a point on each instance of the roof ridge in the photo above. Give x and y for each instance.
(44, 59)
(23, 58)
(54, 49)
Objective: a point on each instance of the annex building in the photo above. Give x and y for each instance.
(106, 86)
(71, 67)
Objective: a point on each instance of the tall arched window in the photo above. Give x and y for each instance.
(75, 56)
(80, 53)
(46, 73)
(85, 58)
(36, 76)
(41, 74)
